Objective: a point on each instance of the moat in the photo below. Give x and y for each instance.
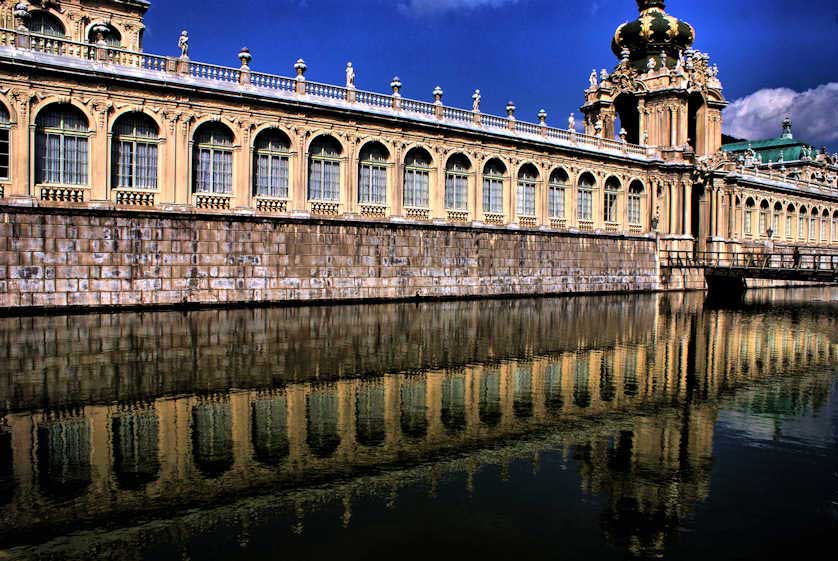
(575, 428)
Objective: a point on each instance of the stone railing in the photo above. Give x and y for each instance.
(558, 223)
(213, 201)
(778, 176)
(527, 221)
(246, 78)
(635, 229)
(270, 204)
(2, 191)
(458, 216)
(63, 194)
(324, 208)
(130, 197)
(416, 213)
(374, 211)
(612, 227)
(586, 225)
(494, 218)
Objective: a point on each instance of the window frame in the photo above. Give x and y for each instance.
(415, 172)
(64, 136)
(215, 151)
(134, 140)
(282, 156)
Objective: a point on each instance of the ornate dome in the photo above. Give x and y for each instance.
(653, 32)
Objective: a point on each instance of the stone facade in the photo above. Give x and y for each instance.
(233, 142)
(66, 257)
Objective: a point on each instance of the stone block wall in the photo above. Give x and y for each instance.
(60, 257)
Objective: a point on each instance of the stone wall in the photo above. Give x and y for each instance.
(60, 257)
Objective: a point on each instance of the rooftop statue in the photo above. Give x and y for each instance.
(476, 104)
(593, 79)
(571, 123)
(183, 44)
(350, 75)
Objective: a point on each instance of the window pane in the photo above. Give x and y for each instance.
(4, 153)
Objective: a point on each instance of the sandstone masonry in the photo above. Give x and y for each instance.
(60, 257)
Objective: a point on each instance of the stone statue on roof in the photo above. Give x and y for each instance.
(183, 44)
(571, 123)
(593, 80)
(476, 98)
(350, 76)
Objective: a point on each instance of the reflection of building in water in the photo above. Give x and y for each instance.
(109, 459)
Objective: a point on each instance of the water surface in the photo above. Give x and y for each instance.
(571, 428)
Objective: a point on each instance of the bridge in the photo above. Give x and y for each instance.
(729, 270)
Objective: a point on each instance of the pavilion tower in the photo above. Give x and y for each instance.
(663, 92)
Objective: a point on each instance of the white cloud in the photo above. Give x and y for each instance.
(428, 7)
(814, 114)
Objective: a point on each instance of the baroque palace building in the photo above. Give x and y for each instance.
(88, 119)
(134, 179)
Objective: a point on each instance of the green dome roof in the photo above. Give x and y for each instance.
(654, 31)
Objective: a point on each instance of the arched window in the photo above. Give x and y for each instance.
(372, 174)
(801, 223)
(835, 226)
(456, 182)
(112, 38)
(775, 219)
(585, 197)
(635, 203)
(44, 23)
(813, 225)
(763, 217)
(610, 210)
(5, 135)
(556, 196)
(417, 178)
(212, 437)
(825, 226)
(61, 133)
(322, 430)
(790, 212)
(324, 169)
(749, 217)
(271, 156)
(135, 152)
(493, 175)
(527, 179)
(213, 159)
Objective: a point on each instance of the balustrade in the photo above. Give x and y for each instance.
(494, 218)
(213, 201)
(134, 198)
(63, 194)
(269, 204)
(415, 213)
(374, 211)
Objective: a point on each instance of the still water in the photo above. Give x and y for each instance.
(579, 428)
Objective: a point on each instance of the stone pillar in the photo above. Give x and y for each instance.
(183, 148)
(687, 209)
(99, 154)
(298, 187)
(21, 139)
(673, 208)
(395, 185)
(349, 185)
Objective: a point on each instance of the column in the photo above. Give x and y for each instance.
(673, 209)
(687, 208)
(297, 189)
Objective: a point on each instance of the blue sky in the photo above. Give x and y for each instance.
(774, 56)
